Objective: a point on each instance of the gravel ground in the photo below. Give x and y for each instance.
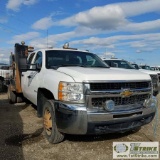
(22, 137)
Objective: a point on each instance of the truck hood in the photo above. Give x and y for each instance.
(148, 71)
(80, 74)
(157, 72)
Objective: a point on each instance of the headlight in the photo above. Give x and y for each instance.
(70, 91)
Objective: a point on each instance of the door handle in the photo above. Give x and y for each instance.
(22, 75)
(29, 76)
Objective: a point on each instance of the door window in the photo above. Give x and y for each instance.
(30, 58)
(38, 59)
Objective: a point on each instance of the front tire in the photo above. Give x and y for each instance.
(49, 121)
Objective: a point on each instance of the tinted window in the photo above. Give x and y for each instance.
(119, 64)
(29, 60)
(146, 67)
(153, 69)
(108, 62)
(38, 58)
(135, 66)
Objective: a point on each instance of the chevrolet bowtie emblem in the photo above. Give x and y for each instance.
(126, 93)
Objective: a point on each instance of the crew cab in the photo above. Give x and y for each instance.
(77, 93)
(120, 63)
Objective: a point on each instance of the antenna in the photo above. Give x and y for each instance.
(47, 38)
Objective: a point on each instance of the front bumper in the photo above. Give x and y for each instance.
(77, 119)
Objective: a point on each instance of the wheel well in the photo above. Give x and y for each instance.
(42, 96)
(46, 93)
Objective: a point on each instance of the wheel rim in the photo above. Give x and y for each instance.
(48, 121)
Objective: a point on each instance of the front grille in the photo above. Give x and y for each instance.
(154, 78)
(119, 85)
(100, 102)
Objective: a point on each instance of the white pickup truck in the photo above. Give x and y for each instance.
(120, 63)
(77, 93)
(155, 76)
(148, 68)
(4, 76)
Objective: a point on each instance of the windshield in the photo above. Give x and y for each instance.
(119, 64)
(146, 67)
(155, 68)
(62, 58)
(136, 66)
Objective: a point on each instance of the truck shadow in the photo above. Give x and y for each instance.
(17, 140)
(103, 137)
(10, 125)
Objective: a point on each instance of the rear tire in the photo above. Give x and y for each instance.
(20, 99)
(1, 86)
(11, 96)
(49, 121)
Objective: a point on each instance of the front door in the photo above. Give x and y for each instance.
(31, 79)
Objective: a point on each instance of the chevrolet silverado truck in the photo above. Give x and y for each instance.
(4, 76)
(120, 63)
(146, 67)
(154, 76)
(77, 93)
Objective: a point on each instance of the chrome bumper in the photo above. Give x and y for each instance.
(77, 119)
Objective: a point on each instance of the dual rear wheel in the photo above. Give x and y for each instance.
(14, 97)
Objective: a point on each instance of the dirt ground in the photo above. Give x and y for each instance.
(21, 137)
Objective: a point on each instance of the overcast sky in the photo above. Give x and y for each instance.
(128, 29)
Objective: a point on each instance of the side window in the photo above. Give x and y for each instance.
(80, 59)
(29, 60)
(109, 63)
(90, 60)
(38, 59)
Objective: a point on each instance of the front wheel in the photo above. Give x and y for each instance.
(49, 121)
